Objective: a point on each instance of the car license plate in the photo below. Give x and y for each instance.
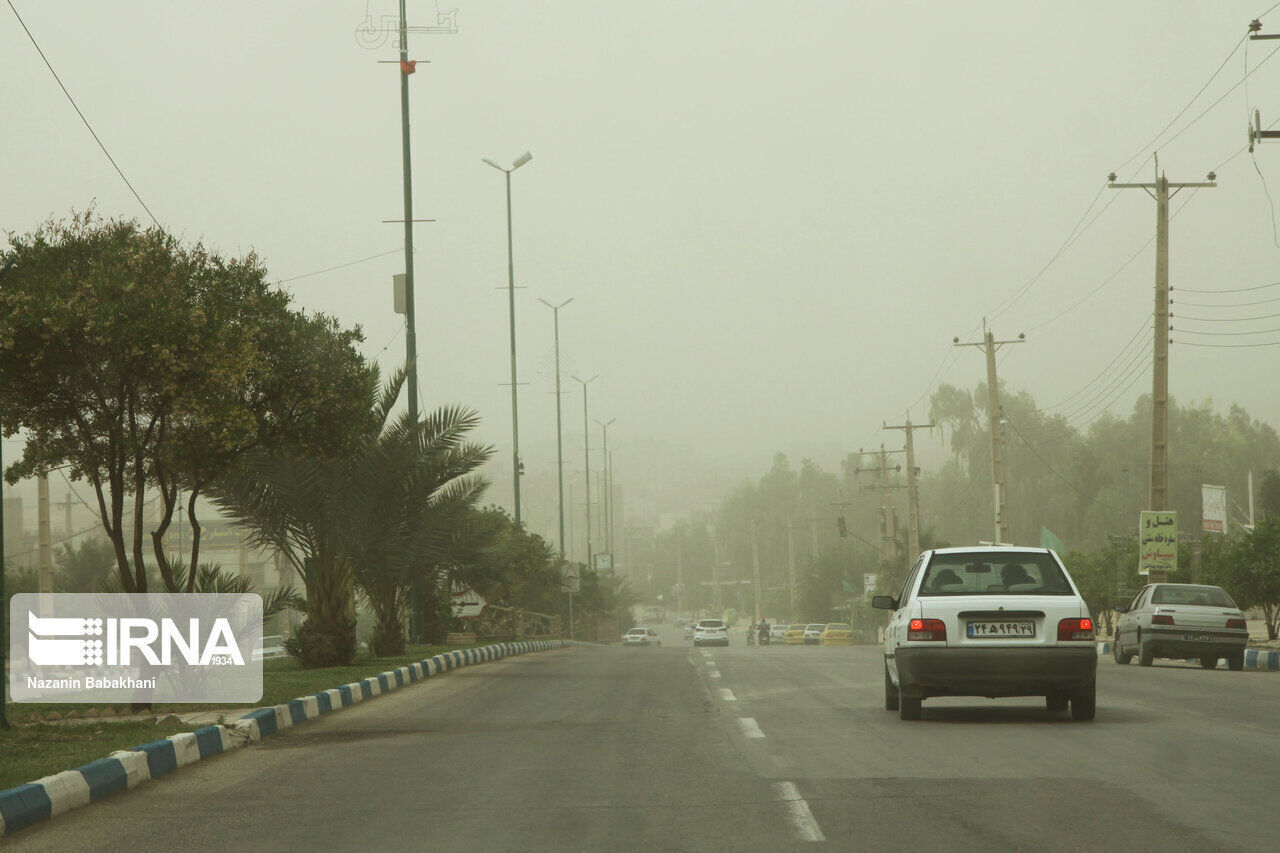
(1197, 638)
(1000, 630)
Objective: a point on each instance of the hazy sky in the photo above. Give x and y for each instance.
(772, 217)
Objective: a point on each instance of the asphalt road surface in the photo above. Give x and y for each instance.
(778, 748)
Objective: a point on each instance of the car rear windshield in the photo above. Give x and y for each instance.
(836, 626)
(985, 573)
(710, 623)
(815, 627)
(1205, 596)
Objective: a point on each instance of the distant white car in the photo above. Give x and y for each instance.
(777, 632)
(1181, 620)
(270, 647)
(989, 621)
(710, 632)
(641, 637)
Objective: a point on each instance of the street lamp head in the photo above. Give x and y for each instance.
(493, 164)
(521, 160)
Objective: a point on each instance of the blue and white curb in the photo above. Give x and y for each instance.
(1253, 658)
(126, 769)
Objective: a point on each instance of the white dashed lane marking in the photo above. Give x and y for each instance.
(727, 695)
(750, 728)
(798, 813)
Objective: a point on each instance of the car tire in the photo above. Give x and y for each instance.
(1146, 654)
(908, 707)
(1235, 661)
(1056, 703)
(1209, 662)
(890, 691)
(1084, 702)
(1121, 657)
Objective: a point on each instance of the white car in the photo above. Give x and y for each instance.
(1181, 620)
(710, 632)
(641, 637)
(989, 621)
(777, 632)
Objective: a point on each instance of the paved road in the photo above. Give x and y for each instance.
(726, 749)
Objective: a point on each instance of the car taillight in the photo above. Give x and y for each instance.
(1236, 623)
(927, 629)
(1162, 619)
(1075, 629)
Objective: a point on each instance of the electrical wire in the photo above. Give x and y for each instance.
(1056, 473)
(342, 266)
(1227, 305)
(1235, 290)
(1228, 334)
(76, 107)
(1225, 319)
(1141, 328)
(1226, 346)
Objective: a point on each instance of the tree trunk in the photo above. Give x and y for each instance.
(327, 642)
(388, 636)
(195, 538)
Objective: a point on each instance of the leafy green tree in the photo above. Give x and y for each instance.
(1269, 494)
(84, 566)
(1248, 568)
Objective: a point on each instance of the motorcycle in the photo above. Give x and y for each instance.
(764, 637)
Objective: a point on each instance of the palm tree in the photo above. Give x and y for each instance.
(354, 515)
(426, 492)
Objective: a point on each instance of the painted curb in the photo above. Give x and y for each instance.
(126, 769)
(1253, 658)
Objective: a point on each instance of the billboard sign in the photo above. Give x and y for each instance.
(603, 562)
(1157, 542)
(869, 581)
(1214, 512)
(569, 579)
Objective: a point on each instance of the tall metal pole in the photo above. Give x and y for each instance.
(555, 310)
(410, 332)
(586, 458)
(515, 410)
(613, 503)
(1159, 190)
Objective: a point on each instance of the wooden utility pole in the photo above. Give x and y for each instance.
(913, 493)
(888, 542)
(755, 569)
(791, 567)
(1160, 191)
(44, 534)
(715, 576)
(989, 345)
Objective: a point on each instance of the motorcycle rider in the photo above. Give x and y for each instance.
(763, 630)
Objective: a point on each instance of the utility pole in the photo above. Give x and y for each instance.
(679, 574)
(1160, 191)
(913, 493)
(989, 345)
(586, 460)
(715, 575)
(555, 310)
(755, 569)
(606, 496)
(613, 503)
(791, 567)
(45, 534)
(888, 540)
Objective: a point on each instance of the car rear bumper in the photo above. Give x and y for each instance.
(994, 672)
(837, 641)
(1179, 642)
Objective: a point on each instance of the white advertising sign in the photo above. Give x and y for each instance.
(1214, 515)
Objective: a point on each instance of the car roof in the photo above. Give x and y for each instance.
(993, 549)
(1212, 586)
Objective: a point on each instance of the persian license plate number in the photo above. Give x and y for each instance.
(1000, 630)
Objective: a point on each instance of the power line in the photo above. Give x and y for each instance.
(1226, 346)
(1226, 319)
(394, 251)
(1229, 304)
(1236, 290)
(1142, 328)
(119, 171)
(1057, 474)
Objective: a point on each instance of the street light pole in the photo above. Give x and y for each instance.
(555, 310)
(511, 303)
(586, 464)
(605, 490)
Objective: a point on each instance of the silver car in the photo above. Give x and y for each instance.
(1181, 620)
